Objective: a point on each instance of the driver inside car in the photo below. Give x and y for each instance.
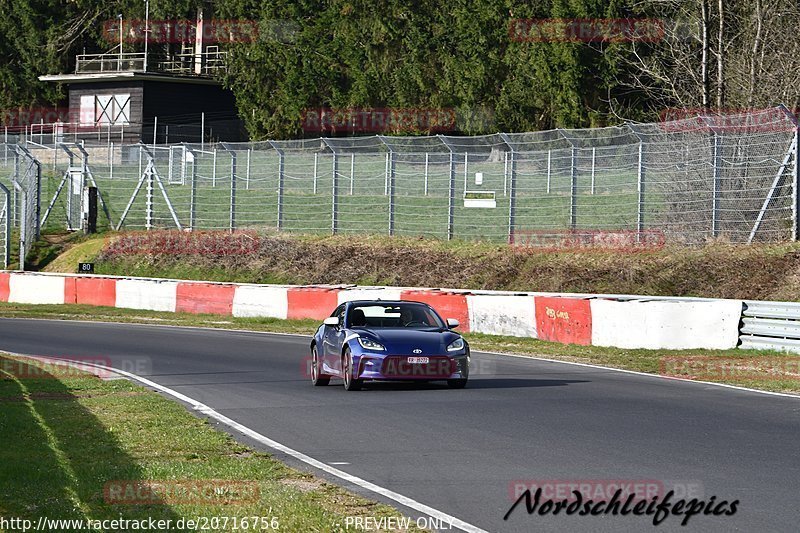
(409, 317)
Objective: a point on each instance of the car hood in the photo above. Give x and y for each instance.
(406, 340)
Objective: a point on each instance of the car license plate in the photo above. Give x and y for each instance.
(418, 360)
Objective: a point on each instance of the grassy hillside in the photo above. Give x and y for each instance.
(715, 270)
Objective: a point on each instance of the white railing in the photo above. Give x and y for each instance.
(110, 62)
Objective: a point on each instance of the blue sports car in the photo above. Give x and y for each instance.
(388, 341)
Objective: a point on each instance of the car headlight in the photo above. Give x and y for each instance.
(456, 345)
(370, 344)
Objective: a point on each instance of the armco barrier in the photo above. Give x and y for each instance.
(626, 321)
(771, 326)
(567, 320)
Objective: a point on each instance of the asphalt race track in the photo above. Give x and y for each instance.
(461, 451)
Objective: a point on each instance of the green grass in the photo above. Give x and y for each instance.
(84, 249)
(65, 435)
(639, 360)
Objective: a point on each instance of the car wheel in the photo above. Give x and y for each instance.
(460, 383)
(457, 383)
(316, 370)
(350, 383)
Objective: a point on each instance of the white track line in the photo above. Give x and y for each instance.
(452, 521)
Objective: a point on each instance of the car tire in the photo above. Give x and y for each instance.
(460, 383)
(317, 378)
(350, 383)
(457, 383)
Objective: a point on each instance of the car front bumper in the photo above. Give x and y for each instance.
(399, 367)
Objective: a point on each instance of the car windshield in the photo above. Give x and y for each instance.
(402, 315)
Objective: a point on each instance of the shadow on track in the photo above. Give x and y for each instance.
(481, 383)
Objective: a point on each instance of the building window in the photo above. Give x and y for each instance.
(114, 109)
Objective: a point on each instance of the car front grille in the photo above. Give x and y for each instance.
(399, 367)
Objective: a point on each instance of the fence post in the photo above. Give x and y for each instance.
(391, 191)
(512, 197)
(111, 161)
(386, 176)
(280, 189)
(193, 194)
(640, 189)
(716, 190)
(466, 164)
(214, 168)
(315, 172)
(593, 164)
(548, 170)
(795, 183)
(451, 200)
(335, 195)
(352, 172)
(38, 228)
(573, 201)
(247, 172)
(23, 234)
(7, 221)
(505, 173)
(426, 174)
(233, 191)
(16, 192)
(149, 199)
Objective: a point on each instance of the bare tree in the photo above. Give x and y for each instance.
(721, 46)
(754, 54)
(704, 57)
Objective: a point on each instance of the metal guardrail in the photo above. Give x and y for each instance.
(770, 326)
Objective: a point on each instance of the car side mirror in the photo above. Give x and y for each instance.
(332, 321)
(452, 323)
